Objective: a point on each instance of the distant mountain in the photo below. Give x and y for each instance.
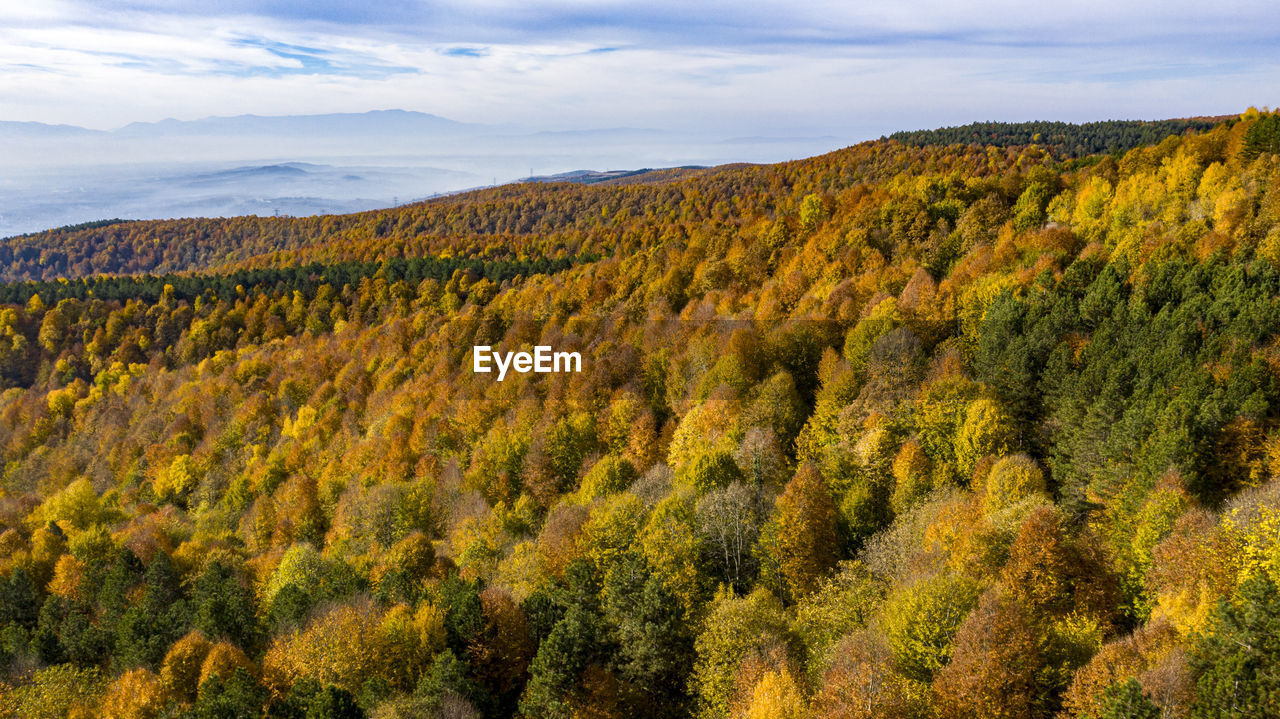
(283, 170)
(767, 139)
(392, 122)
(33, 130)
(591, 177)
(377, 121)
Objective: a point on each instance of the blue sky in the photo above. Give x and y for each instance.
(851, 69)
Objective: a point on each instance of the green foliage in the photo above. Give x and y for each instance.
(1125, 700)
(841, 605)
(921, 620)
(710, 471)
(1065, 139)
(223, 607)
(1235, 661)
(734, 629)
(1262, 136)
(610, 475)
(653, 645)
(230, 698)
(567, 650)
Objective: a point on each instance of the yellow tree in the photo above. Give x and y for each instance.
(777, 696)
(806, 531)
(136, 694)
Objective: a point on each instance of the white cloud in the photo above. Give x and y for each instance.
(747, 67)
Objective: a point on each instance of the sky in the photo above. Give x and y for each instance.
(852, 69)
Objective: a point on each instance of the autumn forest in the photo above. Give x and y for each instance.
(977, 423)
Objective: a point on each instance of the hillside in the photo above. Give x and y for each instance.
(910, 429)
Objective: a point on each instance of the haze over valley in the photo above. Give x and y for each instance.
(300, 165)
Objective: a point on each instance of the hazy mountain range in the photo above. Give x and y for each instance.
(313, 164)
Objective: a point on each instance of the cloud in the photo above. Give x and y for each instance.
(303, 60)
(822, 67)
(465, 51)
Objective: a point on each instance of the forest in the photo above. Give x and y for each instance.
(1066, 140)
(972, 426)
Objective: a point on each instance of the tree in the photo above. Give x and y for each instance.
(913, 473)
(553, 675)
(331, 702)
(223, 660)
(806, 531)
(729, 522)
(445, 685)
(223, 607)
(672, 546)
(147, 629)
(734, 629)
(992, 671)
(343, 646)
(501, 651)
(1235, 660)
(136, 694)
(1262, 136)
(407, 639)
(709, 471)
(20, 599)
(863, 683)
(56, 692)
(231, 698)
(611, 474)
(985, 431)
(1011, 479)
(1125, 700)
(777, 696)
(463, 612)
(180, 671)
(922, 618)
(841, 605)
(1054, 574)
(654, 647)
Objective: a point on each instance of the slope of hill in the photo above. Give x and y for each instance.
(940, 431)
(1065, 140)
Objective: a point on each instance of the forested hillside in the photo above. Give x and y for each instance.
(940, 431)
(1064, 139)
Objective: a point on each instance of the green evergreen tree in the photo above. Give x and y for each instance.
(1237, 662)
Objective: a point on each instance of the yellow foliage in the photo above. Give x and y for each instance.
(180, 670)
(299, 424)
(343, 646)
(136, 694)
(1257, 540)
(408, 640)
(611, 528)
(986, 431)
(61, 691)
(223, 659)
(776, 696)
(522, 571)
(977, 296)
(703, 429)
(175, 482)
(74, 508)
(68, 578)
(672, 547)
(913, 475)
(1011, 480)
